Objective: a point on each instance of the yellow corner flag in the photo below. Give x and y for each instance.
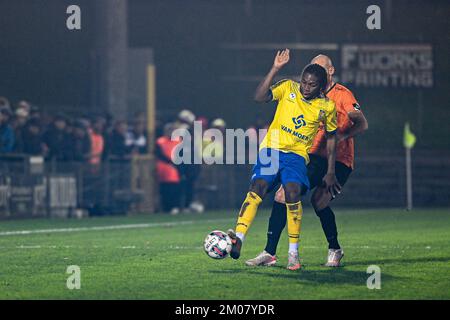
(409, 139)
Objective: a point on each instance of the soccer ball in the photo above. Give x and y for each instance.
(217, 244)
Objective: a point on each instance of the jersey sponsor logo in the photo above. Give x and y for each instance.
(321, 115)
(301, 137)
(299, 121)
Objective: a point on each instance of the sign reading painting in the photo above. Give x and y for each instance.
(403, 66)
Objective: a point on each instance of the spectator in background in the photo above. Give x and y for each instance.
(168, 176)
(20, 118)
(219, 124)
(107, 134)
(35, 112)
(69, 127)
(219, 146)
(4, 103)
(32, 142)
(136, 138)
(204, 121)
(97, 141)
(189, 171)
(109, 122)
(205, 126)
(80, 142)
(17, 124)
(57, 140)
(24, 105)
(214, 150)
(185, 119)
(86, 121)
(117, 140)
(7, 138)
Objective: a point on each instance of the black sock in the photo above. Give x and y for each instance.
(277, 222)
(329, 227)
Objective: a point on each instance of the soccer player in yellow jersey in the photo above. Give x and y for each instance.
(351, 122)
(283, 154)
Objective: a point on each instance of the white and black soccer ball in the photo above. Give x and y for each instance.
(217, 244)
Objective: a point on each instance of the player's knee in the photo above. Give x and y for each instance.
(319, 201)
(314, 204)
(292, 192)
(316, 207)
(259, 186)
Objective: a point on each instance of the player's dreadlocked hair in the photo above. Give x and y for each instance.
(319, 72)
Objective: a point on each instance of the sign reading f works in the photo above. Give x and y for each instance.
(402, 66)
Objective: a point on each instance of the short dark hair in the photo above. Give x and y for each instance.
(319, 72)
(4, 102)
(33, 122)
(60, 117)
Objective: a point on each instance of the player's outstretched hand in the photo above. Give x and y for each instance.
(281, 59)
(332, 185)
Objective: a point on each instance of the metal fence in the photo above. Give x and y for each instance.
(378, 181)
(31, 187)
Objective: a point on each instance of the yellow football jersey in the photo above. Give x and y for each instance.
(297, 120)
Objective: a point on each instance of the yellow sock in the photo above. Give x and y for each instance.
(247, 213)
(294, 222)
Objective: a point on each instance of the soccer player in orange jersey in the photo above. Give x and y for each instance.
(351, 122)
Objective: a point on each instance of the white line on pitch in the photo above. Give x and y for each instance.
(172, 247)
(29, 247)
(113, 227)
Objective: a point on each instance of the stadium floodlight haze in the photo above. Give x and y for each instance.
(228, 157)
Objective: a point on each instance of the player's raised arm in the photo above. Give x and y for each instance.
(262, 93)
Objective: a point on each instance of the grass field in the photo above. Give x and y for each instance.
(161, 257)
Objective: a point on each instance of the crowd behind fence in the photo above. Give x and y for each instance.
(32, 188)
(94, 166)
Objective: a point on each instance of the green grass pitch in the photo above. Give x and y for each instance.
(161, 257)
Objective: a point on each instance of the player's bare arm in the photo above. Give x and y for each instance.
(330, 181)
(263, 89)
(360, 125)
